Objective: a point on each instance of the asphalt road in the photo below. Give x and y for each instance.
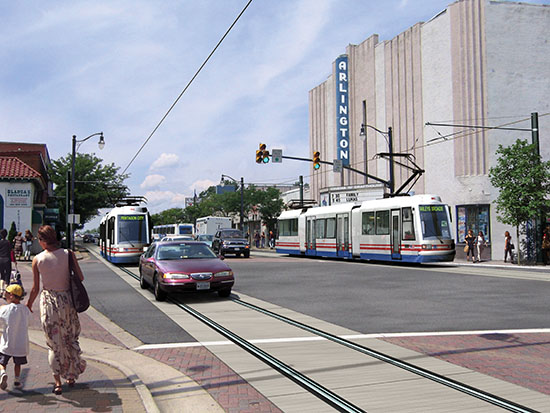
(367, 298)
(374, 298)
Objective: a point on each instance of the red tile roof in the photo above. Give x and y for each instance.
(11, 167)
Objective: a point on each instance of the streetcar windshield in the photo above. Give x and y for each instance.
(434, 221)
(131, 228)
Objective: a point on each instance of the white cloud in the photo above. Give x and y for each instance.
(152, 181)
(202, 185)
(165, 160)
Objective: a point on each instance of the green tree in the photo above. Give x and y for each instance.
(169, 216)
(524, 184)
(269, 205)
(12, 232)
(96, 185)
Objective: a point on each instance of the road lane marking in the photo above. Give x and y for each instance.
(346, 337)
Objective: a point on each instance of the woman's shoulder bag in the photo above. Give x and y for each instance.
(81, 301)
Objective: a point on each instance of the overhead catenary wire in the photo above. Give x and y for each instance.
(187, 86)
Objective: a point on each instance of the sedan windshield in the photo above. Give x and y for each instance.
(232, 234)
(184, 251)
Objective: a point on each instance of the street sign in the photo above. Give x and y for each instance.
(73, 218)
(337, 165)
(277, 156)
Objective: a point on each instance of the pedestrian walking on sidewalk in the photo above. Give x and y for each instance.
(263, 240)
(508, 246)
(15, 335)
(481, 243)
(6, 258)
(27, 244)
(271, 239)
(57, 314)
(257, 239)
(18, 245)
(470, 244)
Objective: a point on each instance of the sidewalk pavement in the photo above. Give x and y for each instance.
(120, 379)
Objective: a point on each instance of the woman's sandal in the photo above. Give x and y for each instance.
(57, 390)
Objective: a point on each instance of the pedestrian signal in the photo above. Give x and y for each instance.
(316, 160)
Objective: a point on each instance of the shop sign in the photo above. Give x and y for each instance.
(18, 198)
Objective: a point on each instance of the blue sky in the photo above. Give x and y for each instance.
(80, 67)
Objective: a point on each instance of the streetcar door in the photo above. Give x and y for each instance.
(342, 235)
(395, 235)
(310, 237)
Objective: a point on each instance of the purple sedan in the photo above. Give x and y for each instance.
(184, 266)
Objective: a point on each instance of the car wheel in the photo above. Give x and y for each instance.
(142, 282)
(247, 254)
(159, 294)
(224, 293)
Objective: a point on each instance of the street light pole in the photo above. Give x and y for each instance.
(241, 224)
(70, 215)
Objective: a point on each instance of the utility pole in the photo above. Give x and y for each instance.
(301, 191)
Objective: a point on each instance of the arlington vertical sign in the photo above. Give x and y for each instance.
(342, 106)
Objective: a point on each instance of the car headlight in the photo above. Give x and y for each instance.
(224, 274)
(175, 276)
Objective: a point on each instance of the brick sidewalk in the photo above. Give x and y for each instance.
(522, 359)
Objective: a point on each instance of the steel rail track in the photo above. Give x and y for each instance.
(321, 392)
(472, 391)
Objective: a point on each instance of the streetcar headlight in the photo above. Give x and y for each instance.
(426, 246)
(224, 274)
(175, 276)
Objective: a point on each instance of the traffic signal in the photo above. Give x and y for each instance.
(260, 153)
(316, 160)
(266, 156)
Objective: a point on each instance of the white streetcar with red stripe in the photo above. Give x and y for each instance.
(125, 231)
(414, 229)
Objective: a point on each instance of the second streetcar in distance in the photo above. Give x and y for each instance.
(124, 232)
(415, 229)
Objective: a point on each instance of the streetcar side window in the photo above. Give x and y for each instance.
(382, 222)
(408, 224)
(331, 228)
(320, 225)
(288, 227)
(368, 223)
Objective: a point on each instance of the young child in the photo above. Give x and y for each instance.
(14, 341)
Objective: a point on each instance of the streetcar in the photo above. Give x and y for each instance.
(124, 232)
(161, 231)
(412, 229)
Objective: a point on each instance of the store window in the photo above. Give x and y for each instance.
(474, 217)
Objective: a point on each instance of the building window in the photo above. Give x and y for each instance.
(474, 217)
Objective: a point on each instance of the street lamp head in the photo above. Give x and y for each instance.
(362, 133)
(101, 142)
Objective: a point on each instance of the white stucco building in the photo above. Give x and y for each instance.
(478, 62)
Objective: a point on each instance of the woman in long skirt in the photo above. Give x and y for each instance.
(59, 318)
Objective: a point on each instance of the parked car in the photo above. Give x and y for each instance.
(231, 241)
(207, 239)
(88, 238)
(188, 266)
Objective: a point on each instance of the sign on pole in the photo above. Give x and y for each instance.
(337, 165)
(277, 156)
(73, 218)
